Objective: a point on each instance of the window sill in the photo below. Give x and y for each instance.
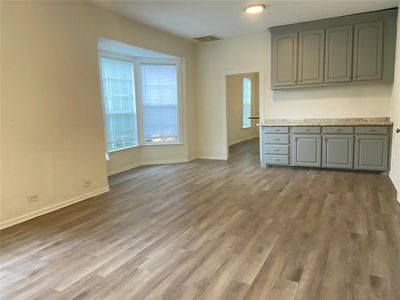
(145, 145)
(122, 149)
(163, 144)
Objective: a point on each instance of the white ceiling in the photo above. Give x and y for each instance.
(191, 19)
(104, 44)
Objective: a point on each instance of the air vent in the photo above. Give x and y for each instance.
(207, 38)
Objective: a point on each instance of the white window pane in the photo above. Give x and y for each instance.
(246, 104)
(159, 91)
(119, 102)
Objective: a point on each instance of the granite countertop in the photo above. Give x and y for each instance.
(328, 122)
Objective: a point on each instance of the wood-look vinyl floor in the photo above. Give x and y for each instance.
(214, 230)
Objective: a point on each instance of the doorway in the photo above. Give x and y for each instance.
(242, 109)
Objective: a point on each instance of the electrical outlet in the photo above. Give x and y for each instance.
(33, 198)
(87, 184)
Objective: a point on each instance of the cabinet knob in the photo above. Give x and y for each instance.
(398, 130)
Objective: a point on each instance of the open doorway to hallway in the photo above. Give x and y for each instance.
(242, 100)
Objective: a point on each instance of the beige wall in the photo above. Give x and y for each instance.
(52, 130)
(395, 116)
(234, 89)
(252, 53)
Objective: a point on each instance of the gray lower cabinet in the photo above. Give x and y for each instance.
(368, 49)
(336, 147)
(306, 150)
(338, 54)
(371, 152)
(284, 62)
(275, 146)
(311, 56)
(337, 151)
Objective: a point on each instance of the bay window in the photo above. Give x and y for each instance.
(142, 112)
(119, 103)
(159, 92)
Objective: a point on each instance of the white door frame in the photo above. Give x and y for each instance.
(261, 95)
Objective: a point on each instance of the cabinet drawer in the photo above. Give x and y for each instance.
(277, 139)
(276, 129)
(277, 160)
(372, 129)
(277, 149)
(337, 129)
(307, 129)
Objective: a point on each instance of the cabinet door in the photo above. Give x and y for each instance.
(307, 150)
(338, 54)
(337, 151)
(284, 60)
(372, 152)
(311, 57)
(368, 46)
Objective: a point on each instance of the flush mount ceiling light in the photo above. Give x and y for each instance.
(254, 9)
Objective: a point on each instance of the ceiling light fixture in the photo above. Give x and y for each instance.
(254, 9)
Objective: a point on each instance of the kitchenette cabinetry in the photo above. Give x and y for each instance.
(343, 50)
(336, 147)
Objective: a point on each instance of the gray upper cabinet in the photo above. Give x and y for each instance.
(338, 54)
(311, 57)
(284, 61)
(368, 50)
(343, 50)
(337, 151)
(371, 152)
(306, 150)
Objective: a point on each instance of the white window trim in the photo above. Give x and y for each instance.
(138, 97)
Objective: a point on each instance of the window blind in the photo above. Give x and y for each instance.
(119, 102)
(159, 95)
(246, 104)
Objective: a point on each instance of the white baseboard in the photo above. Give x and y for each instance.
(126, 168)
(214, 157)
(148, 163)
(53, 207)
(243, 140)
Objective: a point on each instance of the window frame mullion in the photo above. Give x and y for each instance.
(139, 110)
